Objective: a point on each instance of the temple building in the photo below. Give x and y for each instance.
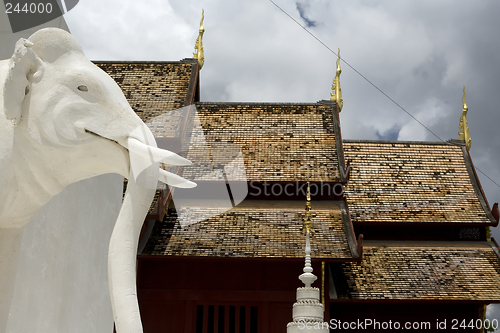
(400, 230)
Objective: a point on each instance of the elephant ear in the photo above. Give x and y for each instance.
(24, 67)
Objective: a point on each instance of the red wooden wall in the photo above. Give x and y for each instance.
(217, 295)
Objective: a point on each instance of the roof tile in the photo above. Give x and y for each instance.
(151, 88)
(279, 142)
(437, 272)
(253, 230)
(410, 182)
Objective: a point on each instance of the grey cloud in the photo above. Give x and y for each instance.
(420, 53)
(301, 8)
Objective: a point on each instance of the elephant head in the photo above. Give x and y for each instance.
(66, 120)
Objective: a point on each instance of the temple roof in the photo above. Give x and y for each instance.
(255, 229)
(279, 141)
(422, 271)
(154, 87)
(389, 182)
(413, 182)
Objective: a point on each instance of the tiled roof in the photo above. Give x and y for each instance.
(253, 229)
(412, 182)
(152, 88)
(442, 271)
(279, 142)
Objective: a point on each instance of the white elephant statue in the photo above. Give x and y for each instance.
(65, 120)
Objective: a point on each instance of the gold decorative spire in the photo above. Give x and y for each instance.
(198, 46)
(336, 94)
(308, 223)
(464, 134)
(488, 234)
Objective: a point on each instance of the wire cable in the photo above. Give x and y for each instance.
(370, 82)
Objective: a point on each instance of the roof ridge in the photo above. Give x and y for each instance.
(261, 103)
(425, 243)
(183, 61)
(400, 142)
(476, 184)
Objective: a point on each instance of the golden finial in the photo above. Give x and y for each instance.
(308, 223)
(464, 134)
(463, 102)
(336, 94)
(488, 234)
(198, 46)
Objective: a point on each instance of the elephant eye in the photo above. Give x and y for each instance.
(83, 88)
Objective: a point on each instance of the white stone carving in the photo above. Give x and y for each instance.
(65, 120)
(307, 312)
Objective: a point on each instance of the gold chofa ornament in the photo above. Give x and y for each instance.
(198, 46)
(336, 94)
(308, 223)
(463, 133)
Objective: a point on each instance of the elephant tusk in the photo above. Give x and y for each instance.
(154, 154)
(143, 156)
(175, 180)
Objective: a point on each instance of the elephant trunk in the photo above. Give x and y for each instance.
(122, 257)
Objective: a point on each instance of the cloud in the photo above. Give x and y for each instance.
(301, 8)
(493, 312)
(431, 112)
(391, 134)
(418, 53)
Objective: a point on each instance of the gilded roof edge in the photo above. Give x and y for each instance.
(349, 229)
(193, 93)
(495, 248)
(146, 256)
(185, 60)
(338, 137)
(328, 103)
(476, 184)
(447, 143)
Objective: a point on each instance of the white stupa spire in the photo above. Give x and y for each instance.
(307, 311)
(308, 277)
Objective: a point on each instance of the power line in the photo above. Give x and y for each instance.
(494, 182)
(370, 82)
(354, 69)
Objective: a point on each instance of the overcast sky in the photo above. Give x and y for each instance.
(420, 53)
